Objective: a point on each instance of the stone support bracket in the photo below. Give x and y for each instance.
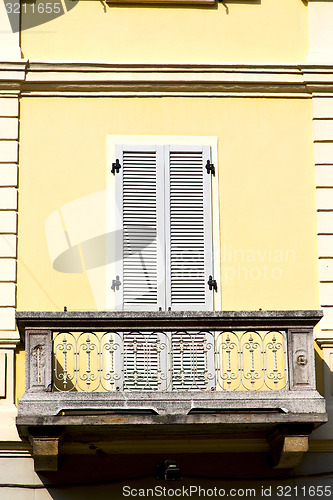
(288, 449)
(45, 453)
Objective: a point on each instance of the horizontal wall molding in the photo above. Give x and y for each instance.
(32, 78)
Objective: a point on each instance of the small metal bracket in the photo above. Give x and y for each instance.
(115, 284)
(212, 283)
(115, 167)
(210, 167)
(168, 471)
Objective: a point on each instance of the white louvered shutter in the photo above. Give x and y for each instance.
(140, 192)
(188, 228)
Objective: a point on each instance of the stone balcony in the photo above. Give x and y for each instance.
(189, 378)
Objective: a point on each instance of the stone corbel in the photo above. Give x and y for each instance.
(45, 452)
(288, 448)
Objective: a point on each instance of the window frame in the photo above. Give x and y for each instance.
(114, 217)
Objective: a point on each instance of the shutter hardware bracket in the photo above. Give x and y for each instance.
(210, 167)
(115, 167)
(212, 283)
(115, 284)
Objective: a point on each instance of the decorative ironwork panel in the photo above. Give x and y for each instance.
(251, 360)
(87, 361)
(170, 361)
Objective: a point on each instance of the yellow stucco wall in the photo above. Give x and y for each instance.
(248, 30)
(267, 207)
(267, 212)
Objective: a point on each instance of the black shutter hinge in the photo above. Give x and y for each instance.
(210, 167)
(116, 284)
(212, 283)
(115, 167)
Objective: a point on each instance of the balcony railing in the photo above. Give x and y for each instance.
(169, 361)
(177, 376)
(79, 360)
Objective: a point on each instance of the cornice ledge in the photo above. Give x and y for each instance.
(9, 339)
(39, 65)
(13, 64)
(166, 77)
(318, 77)
(170, 88)
(12, 74)
(325, 342)
(169, 78)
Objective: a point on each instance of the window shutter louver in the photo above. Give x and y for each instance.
(188, 228)
(164, 196)
(140, 190)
